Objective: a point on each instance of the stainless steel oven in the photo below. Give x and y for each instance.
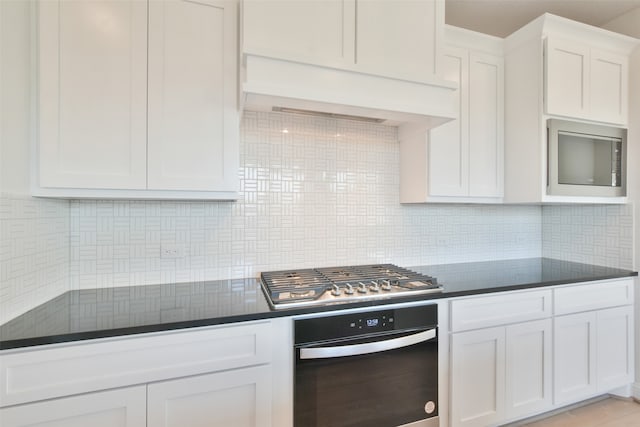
(377, 368)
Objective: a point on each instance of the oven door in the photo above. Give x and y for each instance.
(386, 380)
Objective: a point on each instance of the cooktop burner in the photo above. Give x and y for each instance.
(318, 286)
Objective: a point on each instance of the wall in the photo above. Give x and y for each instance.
(34, 234)
(594, 234)
(314, 192)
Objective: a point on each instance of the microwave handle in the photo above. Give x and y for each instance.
(366, 348)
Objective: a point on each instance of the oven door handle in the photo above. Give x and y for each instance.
(366, 348)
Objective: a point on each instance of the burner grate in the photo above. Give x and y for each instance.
(310, 284)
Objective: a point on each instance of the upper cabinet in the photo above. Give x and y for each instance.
(461, 161)
(584, 82)
(381, 37)
(558, 69)
(137, 99)
(373, 58)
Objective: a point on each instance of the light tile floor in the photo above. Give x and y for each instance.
(609, 412)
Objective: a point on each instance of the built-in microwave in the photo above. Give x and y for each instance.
(586, 160)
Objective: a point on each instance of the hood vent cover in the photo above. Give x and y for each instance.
(272, 84)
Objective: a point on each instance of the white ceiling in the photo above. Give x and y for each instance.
(502, 17)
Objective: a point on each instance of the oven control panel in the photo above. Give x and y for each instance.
(331, 327)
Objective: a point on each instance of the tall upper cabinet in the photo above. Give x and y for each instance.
(558, 68)
(137, 99)
(461, 161)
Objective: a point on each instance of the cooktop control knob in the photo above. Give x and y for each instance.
(335, 290)
(386, 285)
(374, 287)
(348, 289)
(362, 288)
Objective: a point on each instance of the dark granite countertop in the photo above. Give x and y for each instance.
(109, 312)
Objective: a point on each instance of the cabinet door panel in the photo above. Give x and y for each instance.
(193, 127)
(92, 94)
(115, 408)
(312, 31)
(528, 365)
(567, 78)
(240, 398)
(615, 348)
(574, 350)
(486, 112)
(478, 375)
(448, 143)
(609, 87)
(407, 46)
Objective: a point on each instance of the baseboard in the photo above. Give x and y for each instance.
(635, 391)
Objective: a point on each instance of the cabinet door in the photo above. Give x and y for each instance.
(609, 87)
(449, 143)
(238, 398)
(615, 348)
(528, 365)
(567, 78)
(574, 350)
(313, 31)
(116, 408)
(486, 125)
(478, 377)
(92, 94)
(407, 46)
(193, 117)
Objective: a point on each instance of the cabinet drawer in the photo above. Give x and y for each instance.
(500, 309)
(593, 296)
(32, 375)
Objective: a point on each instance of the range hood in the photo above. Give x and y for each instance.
(271, 84)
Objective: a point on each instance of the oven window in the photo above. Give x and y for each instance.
(383, 389)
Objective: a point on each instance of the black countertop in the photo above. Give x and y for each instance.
(108, 312)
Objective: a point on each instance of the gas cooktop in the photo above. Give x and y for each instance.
(320, 286)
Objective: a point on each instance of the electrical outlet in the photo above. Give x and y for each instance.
(172, 251)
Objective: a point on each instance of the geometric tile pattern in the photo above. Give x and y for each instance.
(34, 252)
(314, 192)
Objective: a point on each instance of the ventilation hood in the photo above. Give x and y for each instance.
(271, 84)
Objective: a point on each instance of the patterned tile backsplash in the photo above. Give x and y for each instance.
(314, 192)
(596, 234)
(34, 252)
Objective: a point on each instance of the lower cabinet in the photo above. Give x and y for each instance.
(500, 373)
(593, 353)
(114, 408)
(240, 398)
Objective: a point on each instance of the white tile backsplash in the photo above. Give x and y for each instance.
(34, 252)
(314, 192)
(594, 234)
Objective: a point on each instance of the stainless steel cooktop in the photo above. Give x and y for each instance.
(319, 286)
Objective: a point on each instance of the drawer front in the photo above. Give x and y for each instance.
(499, 309)
(46, 373)
(593, 296)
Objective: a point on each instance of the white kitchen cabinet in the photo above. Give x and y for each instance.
(585, 83)
(114, 408)
(501, 373)
(593, 353)
(572, 70)
(528, 368)
(574, 357)
(346, 34)
(239, 398)
(137, 99)
(478, 377)
(92, 94)
(229, 375)
(464, 159)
